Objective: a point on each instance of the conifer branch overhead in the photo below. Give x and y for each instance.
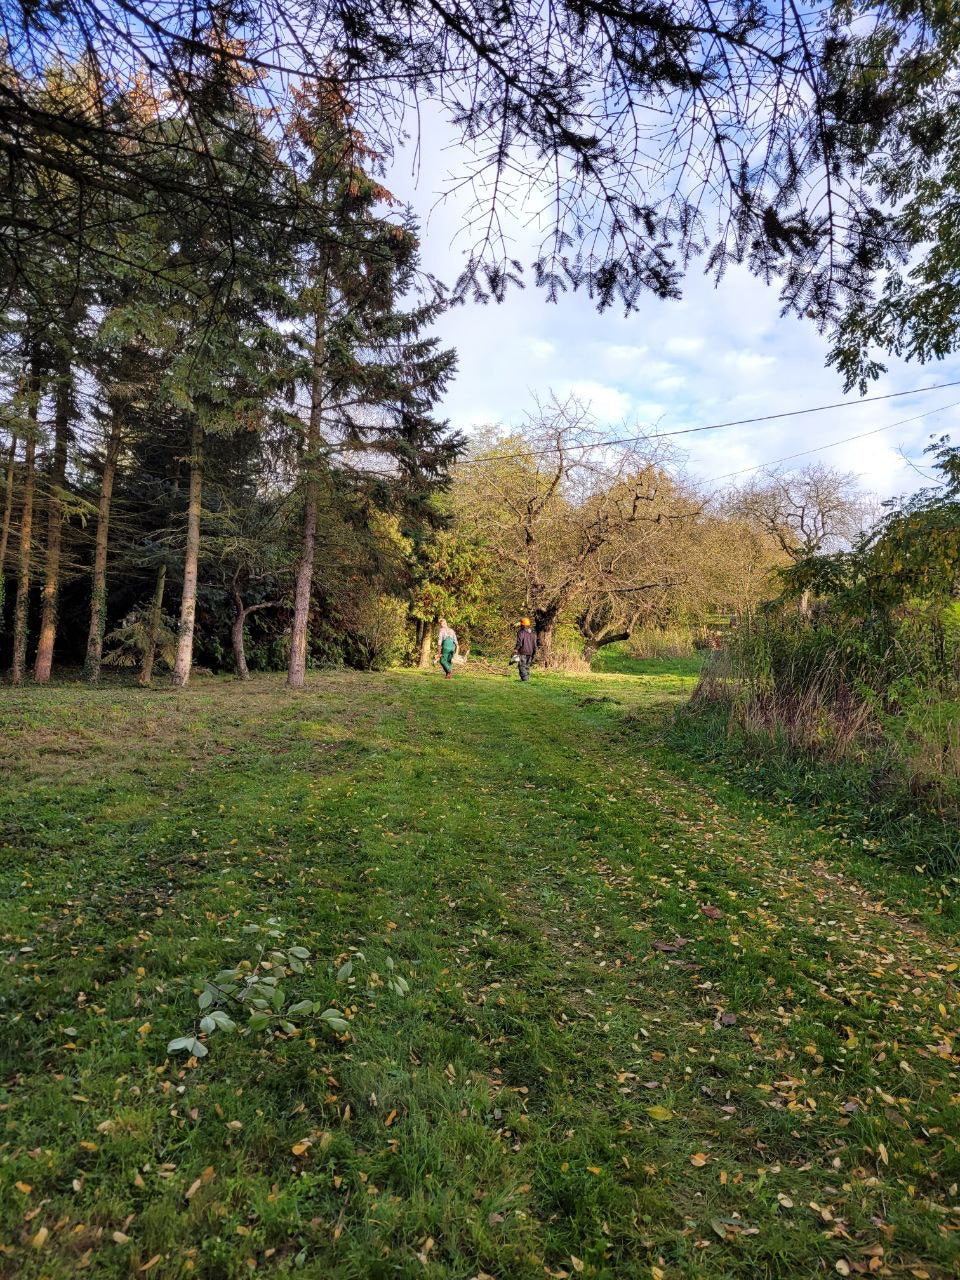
(640, 134)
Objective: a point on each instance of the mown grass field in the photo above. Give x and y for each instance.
(655, 1028)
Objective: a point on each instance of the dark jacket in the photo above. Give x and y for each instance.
(526, 645)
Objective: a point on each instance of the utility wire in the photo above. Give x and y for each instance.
(714, 426)
(805, 453)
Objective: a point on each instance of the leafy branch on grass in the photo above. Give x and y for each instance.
(255, 990)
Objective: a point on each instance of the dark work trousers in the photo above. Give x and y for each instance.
(523, 666)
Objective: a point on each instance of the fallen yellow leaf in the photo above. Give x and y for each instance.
(699, 1159)
(120, 1238)
(301, 1148)
(40, 1238)
(25, 1187)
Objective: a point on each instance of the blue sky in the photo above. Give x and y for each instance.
(719, 354)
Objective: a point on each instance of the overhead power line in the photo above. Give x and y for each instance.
(716, 426)
(820, 448)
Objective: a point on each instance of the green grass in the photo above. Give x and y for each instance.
(616, 659)
(517, 852)
(869, 804)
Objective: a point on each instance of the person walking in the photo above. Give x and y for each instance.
(447, 646)
(525, 648)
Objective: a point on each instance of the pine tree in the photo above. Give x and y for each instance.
(371, 376)
(227, 351)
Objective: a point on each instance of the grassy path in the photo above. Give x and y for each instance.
(654, 1028)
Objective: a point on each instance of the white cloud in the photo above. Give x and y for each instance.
(672, 382)
(721, 353)
(748, 362)
(649, 413)
(607, 404)
(684, 346)
(621, 354)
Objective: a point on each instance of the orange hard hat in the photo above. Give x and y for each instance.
(524, 622)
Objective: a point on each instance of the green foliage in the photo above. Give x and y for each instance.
(195, 339)
(452, 572)
(130, 641)
(254, 989)
(377, 631)
(911, 555)
(893, 85)
(865, 678)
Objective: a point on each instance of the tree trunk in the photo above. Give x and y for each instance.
(297, 669)
(7, 517)
(544, 621)
(153, 627)
(426, 644)
(43, 664)
(240, 615)
(236, 635)
(26, 530)
(98, 597)
(188, 600)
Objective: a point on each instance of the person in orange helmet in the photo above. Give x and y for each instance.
(525, 648)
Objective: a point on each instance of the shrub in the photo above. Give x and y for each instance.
(877, 699)
(377, 630)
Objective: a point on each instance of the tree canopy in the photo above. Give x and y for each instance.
(642, 136)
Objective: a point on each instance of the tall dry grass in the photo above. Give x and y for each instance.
(881, 702)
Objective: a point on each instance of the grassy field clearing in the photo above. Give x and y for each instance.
(654, 1027)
